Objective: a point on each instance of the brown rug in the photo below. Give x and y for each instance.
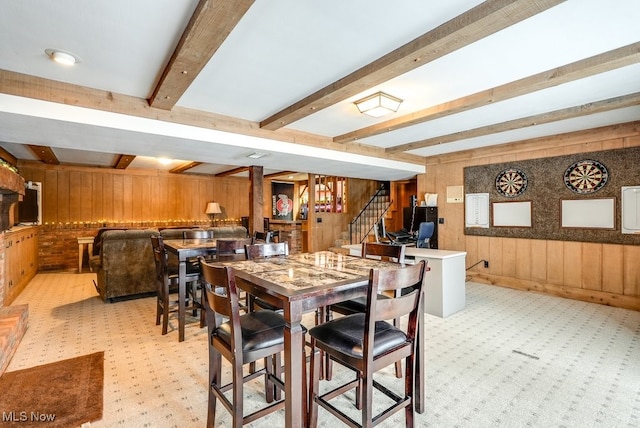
(66, 393)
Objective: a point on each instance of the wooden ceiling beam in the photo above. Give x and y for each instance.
(278, 174)
(477, 23)
(23, 85)
(8, 157)
(601, 63)
(233, 171)
(124, 161)
(45, 154)
(538, 119)
(184, 167)
(209, 26)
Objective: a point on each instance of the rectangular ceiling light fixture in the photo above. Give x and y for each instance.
(378, 104)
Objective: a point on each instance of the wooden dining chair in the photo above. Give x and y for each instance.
(261, 251)
(193, 269)
(168, 283)
(262, 238)
(240, 339)
(231, 249)
(387, 252)
(367, 343)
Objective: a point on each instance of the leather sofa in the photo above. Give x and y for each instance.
(124, 264)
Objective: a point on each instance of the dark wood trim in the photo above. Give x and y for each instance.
(209, 26)
(44, 153)
(184, 167)
(124, 161)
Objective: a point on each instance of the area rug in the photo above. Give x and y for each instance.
(66, 393)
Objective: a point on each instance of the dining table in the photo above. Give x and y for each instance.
(301, 283)
(185, 250)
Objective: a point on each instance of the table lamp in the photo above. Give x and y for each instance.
(213, 208)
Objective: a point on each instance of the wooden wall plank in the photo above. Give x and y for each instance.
(591, 266)
(539, 270)
(631, 270)
(50, 198)
(555, 262)
(572, 268)
(509, 258)
(523, 264)
(613, 268)
(118, 198)
(63, 196)
(96, 196)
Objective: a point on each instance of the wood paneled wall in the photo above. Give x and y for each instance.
(82, 194)
(603, 273)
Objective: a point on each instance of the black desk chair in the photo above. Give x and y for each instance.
(366, 343)
(425, 232)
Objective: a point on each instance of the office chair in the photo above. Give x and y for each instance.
(425, 232)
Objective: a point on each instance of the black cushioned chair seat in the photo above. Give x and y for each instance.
(260, 329)
(346, 334)
(359, 304)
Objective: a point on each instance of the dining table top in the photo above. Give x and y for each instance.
(298, 274)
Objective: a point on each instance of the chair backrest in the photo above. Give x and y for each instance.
(159, 257)
(425, 232)
(391, 282)
(262, 237)
(197, 234)
(386, 252)
(273, 249)
(231, 249)
(222, 302)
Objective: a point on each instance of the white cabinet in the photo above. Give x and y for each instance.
(445, 288)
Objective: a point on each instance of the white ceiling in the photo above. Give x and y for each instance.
(282, 51)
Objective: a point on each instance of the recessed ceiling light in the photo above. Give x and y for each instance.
(62, 57)
(164, 161)
(257, 155)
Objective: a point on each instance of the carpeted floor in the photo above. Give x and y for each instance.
(510, 359)
(63, 394)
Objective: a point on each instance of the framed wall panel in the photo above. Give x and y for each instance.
(597, 213)
(631, 209)
(511, 214)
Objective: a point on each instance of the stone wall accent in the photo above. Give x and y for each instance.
(58, 243)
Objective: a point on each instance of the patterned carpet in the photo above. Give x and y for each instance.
(510, 359)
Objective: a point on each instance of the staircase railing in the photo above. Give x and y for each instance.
(362, 225)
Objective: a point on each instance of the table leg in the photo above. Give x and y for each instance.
(419, 369)
(293, 361)
(182, 291)
(80, 253)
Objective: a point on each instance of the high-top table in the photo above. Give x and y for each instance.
(185, 249)
(303, 282)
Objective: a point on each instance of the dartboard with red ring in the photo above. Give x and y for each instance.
(586, 176)
(511, 182)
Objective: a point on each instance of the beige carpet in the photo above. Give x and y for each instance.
(575, 364)
(63, 394)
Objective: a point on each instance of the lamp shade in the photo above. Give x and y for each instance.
(213, 208)
(378, 104)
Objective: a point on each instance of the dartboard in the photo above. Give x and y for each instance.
(586, 176)
(511, 182)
